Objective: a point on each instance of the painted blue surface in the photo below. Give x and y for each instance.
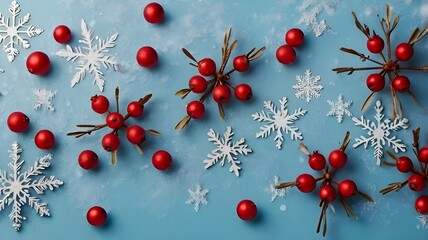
(144, 203)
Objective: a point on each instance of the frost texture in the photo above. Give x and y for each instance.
(15, 187)
(307, 86)
(310, 9)
(44, 99)
(423, 222)
(275, 193)
(339, 108)
(226, 150)
(91, 57)
(197, 197)
(14, 29)
(379, 132)
(279, 120)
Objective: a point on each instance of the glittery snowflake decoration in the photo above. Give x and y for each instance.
(197, 197)
(92, 57)
(310, 10)
(307, 86)
(339, 108)
(279, 120)
(423, 222)
(44, 99)
(379, 132)
(15, 188)
(274, 192)
(226, 150)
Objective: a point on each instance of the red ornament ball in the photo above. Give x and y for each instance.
(18, 122)
(423, 155)
(317, 161)
(99, 104)
(416, 182)
(147, 57)
(135, 134)
(401, 83)
(404, 51)
(421, 204)
(241, 63)
(44, 139)
(327, 193)
(286, 54)
(38, 63)
(134, 109)
(198, 84)
(96, 216)
(222, 94)
(162, 160)
(375, 82)
(110, 142)
(88, 159)
(404, 164)
(114, 120)
(294, 37)
(375, 44)
(246, 210)
(347, 188)
(243, 92)
(337, 159)
(154, 13)
(62, 34)
(195, 109)
(206, 67)
(305, 183)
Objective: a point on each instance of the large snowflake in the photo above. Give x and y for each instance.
(15, 187)
(92, 58)
(307, 86)
(279, 120)
(310, 10)
(274, 192)
(44, 99)
(226, 150)
(13, 29)
(197, 197)
(339, 108)
(379, 132)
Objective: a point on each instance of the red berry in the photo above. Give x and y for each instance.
(243, 92)
(246, 210)
(114, 120)
(375, 82)
(375, 44)
(416, 182)
(44, 139)
(401, 83)
(110, 142)
(99, 104)
(222, 94)
(96, 216)
(134, 109)
(421, 204)
(337, 159)
(147, 57)
(404, 51)
(135, 134)
(286, 54)
(154, 13)
(294, 37)
(327, 193)
(62, 34)
(423, 154)
(38, 63)
(347, 188)
(162, 160)
(206, 67)
(241, 63)
(404, 164)
(195, 109)
(88, 159)
(18, 122)
(197, 84)
(316, 161)
(305, 183)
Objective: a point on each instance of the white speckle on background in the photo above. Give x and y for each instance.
(283, 207)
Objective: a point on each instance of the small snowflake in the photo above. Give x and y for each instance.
(423, 220)
(15, 187)
(279, 120)
(379, 132)
(275, 193)
(226, 150)
(91, 61)
(339, 108)
(307, 86)
(198, 197)
(310, 10)
(15, 31)
(44, 99)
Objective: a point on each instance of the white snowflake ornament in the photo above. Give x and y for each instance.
(379, 132)
(279, 120)
(339, 108)
(310, 10)
(275, 193)
(226, 150)
(308, 86)
(16, 187)
(44, 99)
(197, 197)
(92, 57)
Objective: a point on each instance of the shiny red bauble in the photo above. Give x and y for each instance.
(421, 204)
(285, 54)
(404, 51)
(198, 84)
(135, 134)
(18, 122)
(246, 210)
(401, 83)
(88, 159)
(416, 182)
(317, 161)
(423, 154)
(154, 13)
(195, 109)
(135, 109)
(327, 193)
(243, 92)
(99, 104)
(206, 67)
(114, 120)
(44, 139)
(337, 159)
(38, 63)
(222, 94)
(162, 160)
(294, 37)
(404, 164)
(147, 57)
(62, 34)
(375, 44)
(305, 183)
(110, 142)
(375, 82)
(241, 63)
(96, 216)
(347, 188)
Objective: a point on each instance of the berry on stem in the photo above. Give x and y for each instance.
(375, 82)
(317, 161)
(246, 210)
(243, 92)
(96, 216)
(44, 139)
(423, 155)
(241, 63)
(404, 164)
(305, 183)
(195, 109)
(294, 37)
(135, 109)
(197, 84)
(206, 67)
(401, 83)
(62, 34)
(347, 188)
(114, 120)
(147, 57)
(88, 159)
(222, 94)
(285, 54)
(421, 204)
(110, 142)
(99, 104)
(135, 134)
(38, 63)
(337, 158)
(162, 160)
(404, 51)
(375, 44)
(416, 182)
(154, 12)
(18, 122)
(327, 193)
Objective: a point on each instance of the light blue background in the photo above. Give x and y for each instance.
(144, 203)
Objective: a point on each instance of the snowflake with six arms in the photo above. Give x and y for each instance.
(307, 86)
(275, 193)
(15, 187)
(339, 108)
(91, 61)
(279, 120)
(310, 10)
(379, 132)
(226, 150)
(13, 28)
(197, 197)
(44, 99)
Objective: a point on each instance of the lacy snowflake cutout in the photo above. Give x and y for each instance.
(308, 86)
(15, 187)
(92, 57)
(226, 150)
(44, 99)
(379, 132)
(423, 222)
(310, 10)
(13, 29)
(197, 197)
(279, 120)
(275, 193)
(339, 108)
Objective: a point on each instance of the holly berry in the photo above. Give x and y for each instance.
(154, 13)
(404, 164)
(305, 183)
(337, 158)
(286, 54)
(206, 67)
(135, 134)
(375, 44)
(421, 204)
(375, 82)
(294, 37)
(246, 210)
(404, 51)
(62, 34)
(88, 159)
(96, 216)
(99, 104)
(18, 122)
(317, 161)
(327, 193)
(243, 92)
(162, 160)
(195, 109)
(110, 142)
(401, 83)
(44, 139)
(423, 154)
(347, 188)
(197, 84)
(135, 109)
(38, 63)
(147, 57)
(241, 63)
(416, 182)
(221, 94)
(114, 120)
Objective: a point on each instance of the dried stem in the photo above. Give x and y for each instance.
(79, 134)
(393, 187)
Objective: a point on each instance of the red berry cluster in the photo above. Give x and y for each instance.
(219, 84)
(286, 53)
(329, 187)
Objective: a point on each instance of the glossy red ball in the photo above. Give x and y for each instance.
(337, 159)
(99, 104)
(110, 142)
(421, 205)
(134, 109)
(88, 159)
(285, 54)
(404, 164)
(96, 216)
(416, 182)
(241, 63)
(38, 63)
(375, 44)
(401, 83)
(404, 51)
(246, 210)
(114, 120)
(305, 183)
(375, 82)
(222, 94)
(294, 37)
(195, 109)
(327, 193)
(243, 92)
(423, 154)
(198, 84)
(162, 160)
(62, 34)
(154, 12)
(135, 134)
(207, 67)
(18, 122)
(44, 139)
(347, 188)
(147, 57)
(316, 161)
